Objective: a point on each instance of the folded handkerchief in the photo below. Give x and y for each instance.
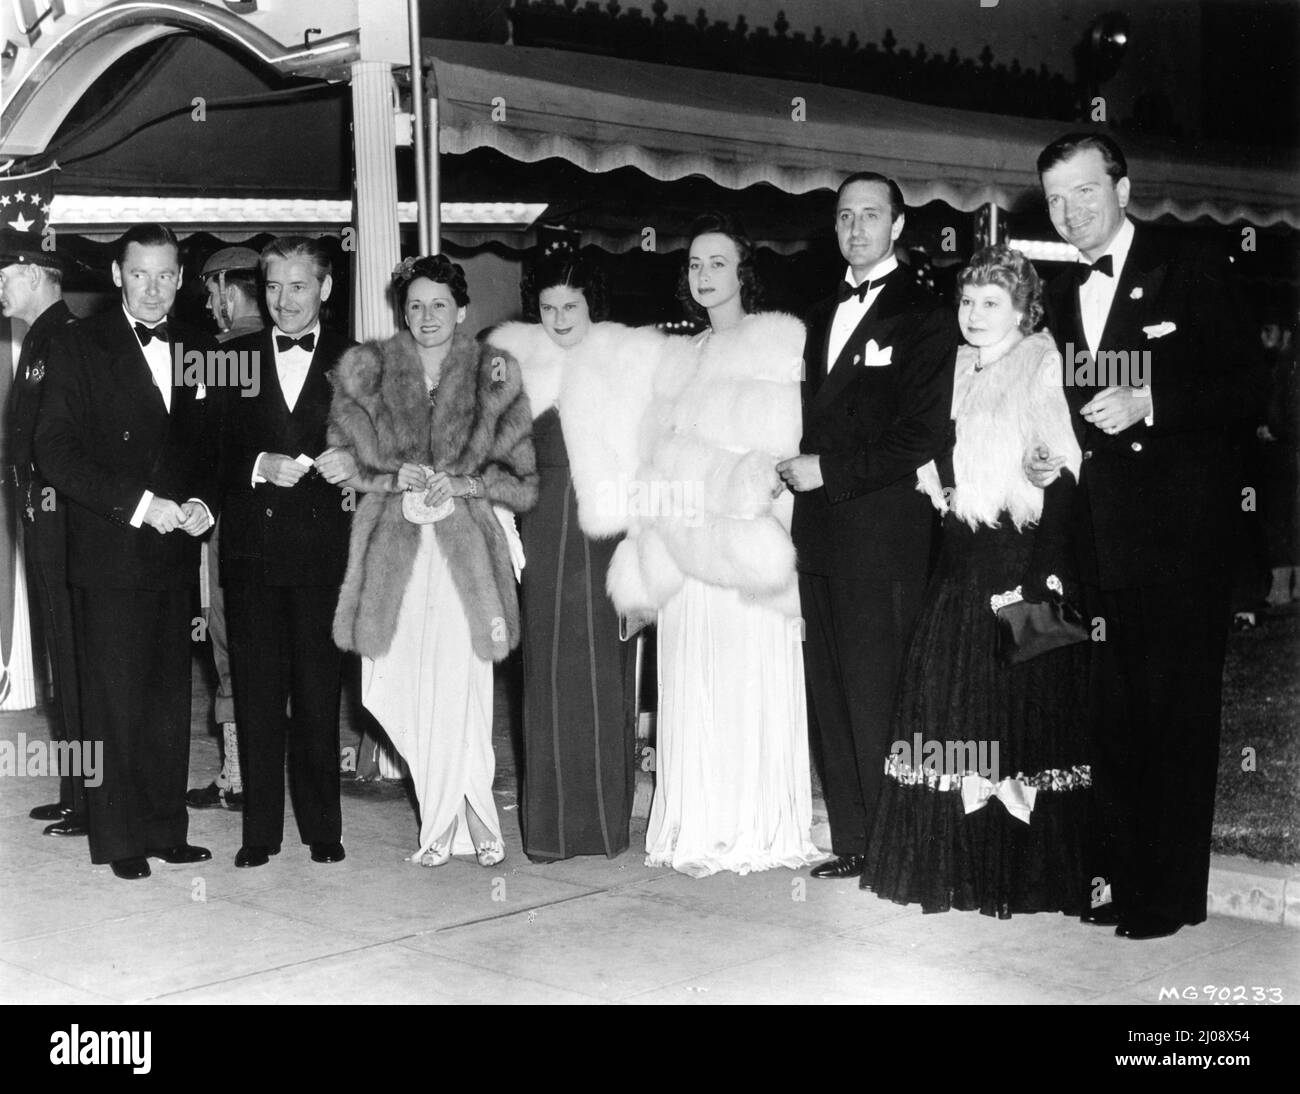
(874, 356)
(1159, 330)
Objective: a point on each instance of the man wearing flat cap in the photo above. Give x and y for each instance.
(230, 280)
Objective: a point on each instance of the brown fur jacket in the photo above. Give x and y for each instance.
(481, 425)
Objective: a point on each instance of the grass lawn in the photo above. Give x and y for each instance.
(1258, 811)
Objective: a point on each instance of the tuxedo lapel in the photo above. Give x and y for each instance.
(131, 371)
(875, 324)
(1139, 286)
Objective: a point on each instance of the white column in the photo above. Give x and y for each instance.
(377, 244)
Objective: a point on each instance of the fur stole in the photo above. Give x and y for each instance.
(601, 388)
(481, 424)
(1008, 407)
(725, 411)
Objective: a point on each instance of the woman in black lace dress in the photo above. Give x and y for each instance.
(987, 790)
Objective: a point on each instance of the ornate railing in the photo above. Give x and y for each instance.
(915, 75)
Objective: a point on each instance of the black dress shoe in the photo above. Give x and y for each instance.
(255, 854)
(233, 800)
(204, 797)
(128, 869)
(50, 812)
(327, 852)
(1103, 915)
(1142, 926)
(71, 825)
(181, 853)
(844, 866)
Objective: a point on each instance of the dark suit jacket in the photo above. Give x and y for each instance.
(104, 436)
(271, 534)
(873, 427)
(1157, 504)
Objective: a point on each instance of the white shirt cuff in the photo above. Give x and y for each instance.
(137, 518)
(256, 463)
(208, 511)
(1145, 393)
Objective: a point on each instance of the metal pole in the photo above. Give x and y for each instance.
(432, 174)
(426, 212)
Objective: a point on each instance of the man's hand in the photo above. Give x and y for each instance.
(281, 470)
(801, 473)
(1116, 408)
(1041, 467)
(163, 515)
(336, 465)
(197, 521)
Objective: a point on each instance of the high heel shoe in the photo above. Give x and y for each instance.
(490, 852)
(438, 853)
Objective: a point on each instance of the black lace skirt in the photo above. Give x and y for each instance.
(968, 727)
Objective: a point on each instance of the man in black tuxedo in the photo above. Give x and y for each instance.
(284, 548)
(131, 450)
(1157, 378)
(31, 290)
(877, 396)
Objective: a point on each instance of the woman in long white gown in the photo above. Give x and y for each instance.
(711, 552)
(438, 430)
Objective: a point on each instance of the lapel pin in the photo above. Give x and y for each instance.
(1136, 294)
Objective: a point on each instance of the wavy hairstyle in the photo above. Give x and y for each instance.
(751, 290)
(1013, 273)
(438, 268)
(571, 270)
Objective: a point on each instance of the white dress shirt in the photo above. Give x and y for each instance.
(1097, 294)
(852, 311)
(158, 356)
(291, 367)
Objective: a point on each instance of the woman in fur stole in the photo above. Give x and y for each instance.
(1014, 732)
(589, 383)
(710, 551)
(438, 432)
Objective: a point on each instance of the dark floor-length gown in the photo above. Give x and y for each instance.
(579, 709)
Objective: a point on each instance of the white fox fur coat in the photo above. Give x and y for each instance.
(1003, 410)
(724, 411)
(602, 387)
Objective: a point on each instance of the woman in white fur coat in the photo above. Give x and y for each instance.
(987, 795)
(588, 382)
(709, 550)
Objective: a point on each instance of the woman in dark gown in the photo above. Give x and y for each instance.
(588, 382)
(998, 825)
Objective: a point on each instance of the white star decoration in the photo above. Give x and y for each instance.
(20, 195)
(22, 224)
(4, 199)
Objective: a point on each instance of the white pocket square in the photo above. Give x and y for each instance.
(1159, 330)
(874, 356)
(200, 391)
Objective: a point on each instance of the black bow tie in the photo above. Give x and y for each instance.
(283, 342)
(1104, 265)
(148, 334)
(846, 290)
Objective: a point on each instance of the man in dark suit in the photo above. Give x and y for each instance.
(877, 397)
(1157, 378)
(31, 290)
(131, 450)
(284, 549)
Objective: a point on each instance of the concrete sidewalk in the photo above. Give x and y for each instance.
(376, 928)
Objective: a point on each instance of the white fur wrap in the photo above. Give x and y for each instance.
(1002, 411)
(725, 411)
(602, 387)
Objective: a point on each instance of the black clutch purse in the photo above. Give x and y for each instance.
(1027, 629)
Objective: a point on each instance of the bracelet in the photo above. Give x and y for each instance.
(475, 486)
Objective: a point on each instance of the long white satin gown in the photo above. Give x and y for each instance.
(433, 695)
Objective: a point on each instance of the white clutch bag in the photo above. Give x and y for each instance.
(417, 511)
